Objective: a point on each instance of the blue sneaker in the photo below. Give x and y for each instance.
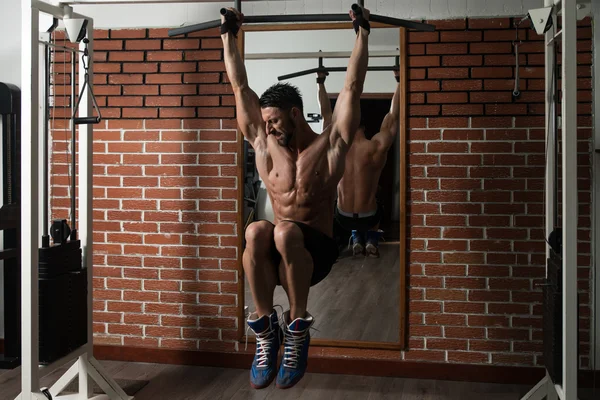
(372, 247)
(264, 366)
(295, 355)
(357, 242)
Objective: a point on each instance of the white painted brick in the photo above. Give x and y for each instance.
(276, 7)
(457, 8)
(332, 6)
(347, 5)
(313, 6)
(295, 7)
(259, 7)
(418, 9)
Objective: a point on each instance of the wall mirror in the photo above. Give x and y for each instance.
(362, 303)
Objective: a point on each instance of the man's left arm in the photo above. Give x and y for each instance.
(324, 102)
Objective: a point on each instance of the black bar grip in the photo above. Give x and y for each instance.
(87, 120)
(357, 9)
(402, 22)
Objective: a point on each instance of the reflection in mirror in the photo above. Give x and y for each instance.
(359, 300)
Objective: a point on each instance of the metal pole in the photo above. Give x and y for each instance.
(30, 383)
(237, 4)
(56, 46)
(318, 54)
(401, 22)
(332, 69)
(264, 19)
(45, 203)
(596, 197)
(73, 146)
(570, 203)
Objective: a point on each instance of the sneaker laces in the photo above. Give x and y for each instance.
(260, 334)
(263, 347)
(293, 346)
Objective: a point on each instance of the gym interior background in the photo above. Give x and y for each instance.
(166, 281)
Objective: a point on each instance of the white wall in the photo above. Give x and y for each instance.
(167, 15)
(10, 47)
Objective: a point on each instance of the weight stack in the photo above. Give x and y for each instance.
(552, 319)
(62, 301)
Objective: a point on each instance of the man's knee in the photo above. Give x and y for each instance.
(288, 236)
(259, 234)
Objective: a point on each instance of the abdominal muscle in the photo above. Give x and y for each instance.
(301, 187)
(316, 211)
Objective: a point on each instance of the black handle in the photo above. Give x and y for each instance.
(228, 14)
(87, 120)
(357, 9)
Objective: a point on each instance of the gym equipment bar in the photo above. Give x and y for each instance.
(262, 19)
(316, 54)
(302, 18)
(60, 47)
(561, 381)
(85, 365)
(333, 69)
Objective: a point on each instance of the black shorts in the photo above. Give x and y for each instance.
(322, 248)
(361, 224)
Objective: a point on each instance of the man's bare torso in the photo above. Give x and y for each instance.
(302, 185)
(358, 188)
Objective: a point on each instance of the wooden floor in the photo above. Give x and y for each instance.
(171, 382)
(357, 301)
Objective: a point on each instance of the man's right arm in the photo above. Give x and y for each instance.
(346, 115)
(389, 126)
(246, 100)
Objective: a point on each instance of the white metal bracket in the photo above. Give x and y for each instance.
(540, 18)
(584, 10)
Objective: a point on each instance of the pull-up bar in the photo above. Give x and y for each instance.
(261, 19)
(333, 69)
(319, 54)
(322, 68)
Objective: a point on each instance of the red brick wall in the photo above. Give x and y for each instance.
(165, 194)
(476, 182)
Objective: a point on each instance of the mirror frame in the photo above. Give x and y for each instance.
(401, 344)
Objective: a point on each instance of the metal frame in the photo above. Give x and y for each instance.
(546, 388)
(317, 54)
(333, 69)
(324, 18)
(31, 370)
(595, 8)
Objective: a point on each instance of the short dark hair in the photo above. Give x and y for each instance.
(282, 95)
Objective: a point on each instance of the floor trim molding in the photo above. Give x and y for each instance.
(330, 365)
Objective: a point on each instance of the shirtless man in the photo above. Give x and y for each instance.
(301, 170)
(357, 210)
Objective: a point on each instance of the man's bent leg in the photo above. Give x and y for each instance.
(260, 260)
(296, 267)
(260, 266)
(295, 274)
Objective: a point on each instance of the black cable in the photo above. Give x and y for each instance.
(46, 393)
